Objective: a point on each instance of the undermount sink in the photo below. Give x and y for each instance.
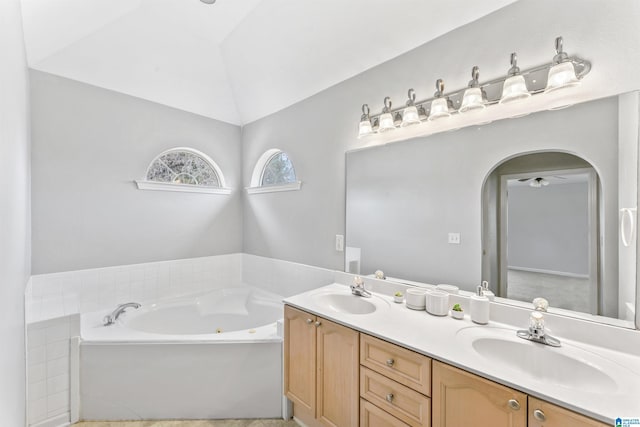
(567, 366)
(345, 303)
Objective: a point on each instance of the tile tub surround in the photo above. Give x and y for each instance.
(435, 336)
(49, 367)
(54, 295)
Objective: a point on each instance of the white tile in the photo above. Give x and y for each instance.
(36, 338)
(37, 410)
(36, 355)
(57, 401)
(37, 391)
(57, 332)
(58, 367)
(37, 372)
(58, 349)
(57, 384)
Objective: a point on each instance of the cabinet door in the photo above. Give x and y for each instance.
(463, 399)
(545, 414)
(300, 360)
(372, 416)
(337, 374)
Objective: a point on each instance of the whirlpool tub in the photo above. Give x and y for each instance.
(217, 355)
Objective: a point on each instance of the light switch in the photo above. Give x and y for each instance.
(339, 242)
(454, 238)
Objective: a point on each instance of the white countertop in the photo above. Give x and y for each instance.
(440, 339)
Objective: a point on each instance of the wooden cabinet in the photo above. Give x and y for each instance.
(321, 369)
(464, 399)
(395, 382)
(545, 414)
(338, 377)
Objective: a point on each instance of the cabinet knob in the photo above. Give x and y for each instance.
(514, 404)
(309, 321)
(390, 362)
(390, 397)
(539, 415)
(318, 323)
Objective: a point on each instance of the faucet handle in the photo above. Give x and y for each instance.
(540, 304)
(358, 281)
(536, 321)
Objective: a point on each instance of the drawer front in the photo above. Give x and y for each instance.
(405, 366)
(372, 416)
(400, 401)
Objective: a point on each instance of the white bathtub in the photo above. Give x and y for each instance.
(213, 356)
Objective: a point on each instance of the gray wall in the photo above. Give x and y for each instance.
(89, 144)
(548, 228)
(300, 226)
(14, 212)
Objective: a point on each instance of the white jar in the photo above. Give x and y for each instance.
(479, 308)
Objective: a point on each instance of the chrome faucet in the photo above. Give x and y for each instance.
(110, 319)
(536, 331)
(358, 288)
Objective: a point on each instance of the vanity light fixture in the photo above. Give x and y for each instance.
(410, 115)
(514, 88)
(474, 97)
(440, 105)
(563, 74)
(365, 128)
(386, 119)
(565, 71)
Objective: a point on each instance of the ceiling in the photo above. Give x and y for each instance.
(236, 60)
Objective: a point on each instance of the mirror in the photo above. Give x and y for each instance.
(571, 242)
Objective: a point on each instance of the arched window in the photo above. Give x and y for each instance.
(273, 172)
(184, 169)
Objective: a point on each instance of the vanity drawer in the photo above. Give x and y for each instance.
(545, 414)
(402, 402)
(405, 366)
(372, 416)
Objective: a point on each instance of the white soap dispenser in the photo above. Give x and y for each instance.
(479, 307)
(485, 290)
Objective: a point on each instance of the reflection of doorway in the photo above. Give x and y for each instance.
(530, 276)
(548, 232)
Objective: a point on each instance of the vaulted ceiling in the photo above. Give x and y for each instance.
(235, 60)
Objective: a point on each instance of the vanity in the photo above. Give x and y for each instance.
(353, 361)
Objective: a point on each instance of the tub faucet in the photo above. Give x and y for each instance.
(110, 319)
(358, 288)
(536, 331)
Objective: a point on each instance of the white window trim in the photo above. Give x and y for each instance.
(144, 184)
(256, 177)
(292, 186)
(184, 188)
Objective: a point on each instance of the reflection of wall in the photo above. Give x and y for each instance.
(14, 211)
(435, 184)
(88, 146)
(548, 228)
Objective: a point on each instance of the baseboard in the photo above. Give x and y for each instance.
(61, 420)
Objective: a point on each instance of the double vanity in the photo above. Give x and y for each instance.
(355, 361)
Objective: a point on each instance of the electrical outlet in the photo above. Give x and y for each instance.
(454, 238)
(339, 242)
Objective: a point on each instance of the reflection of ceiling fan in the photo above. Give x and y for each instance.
(539, 181)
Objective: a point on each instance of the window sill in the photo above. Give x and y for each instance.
(274, 188)
(184, 188)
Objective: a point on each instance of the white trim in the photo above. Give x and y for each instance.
(551, 272)
(293, 186)
(256, 177)
(185, 188)
(61, 420)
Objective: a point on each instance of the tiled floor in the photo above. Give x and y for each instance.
(190, 423)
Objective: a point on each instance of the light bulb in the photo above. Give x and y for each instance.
(439, 109)
(561, 76)
(410, 116)
(514, 89)
(472, 99)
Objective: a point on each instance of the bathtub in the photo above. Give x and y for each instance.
(213, 356)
